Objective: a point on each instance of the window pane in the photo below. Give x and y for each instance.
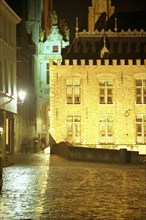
(139, 118)
(76, 82)
(102, 118)
(69, 82)
(110, 118)
(101, 83)
(144, 82)
(101, 91)
(69, 118)
(138, 91)
(69, 90)
(77, 100)
(109, 91)
(110, 128)
(139, 129)
(138, 82)
(102, 100)
(138, 100)
(77, 118)
(109, 100)
(69, 100)
(109, 83)
(77, 90)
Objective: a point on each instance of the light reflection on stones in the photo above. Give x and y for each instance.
(60, 189)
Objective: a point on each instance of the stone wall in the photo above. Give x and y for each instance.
(68, 151)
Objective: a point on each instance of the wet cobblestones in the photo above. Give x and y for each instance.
(39, 187)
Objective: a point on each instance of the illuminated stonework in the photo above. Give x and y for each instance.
(96, 104)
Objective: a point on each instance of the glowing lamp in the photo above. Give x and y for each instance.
(21, 96)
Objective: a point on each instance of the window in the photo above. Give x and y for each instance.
(140, 91)
(106, 92)
(106, 128)
(73, 128)
(141, 128)
(47, 74)
(55, 48)
(73, 91)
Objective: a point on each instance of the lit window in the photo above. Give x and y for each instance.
(140, 91)
(141, 128)
(73, 91)
(55, 48)
(105, 92)
(106, 128)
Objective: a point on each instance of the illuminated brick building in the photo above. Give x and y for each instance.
(98, 91)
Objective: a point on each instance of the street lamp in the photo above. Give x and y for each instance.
(21, 96)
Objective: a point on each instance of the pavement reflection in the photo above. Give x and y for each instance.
(42, 187)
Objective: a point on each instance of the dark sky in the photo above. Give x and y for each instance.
(65, 9)
(69, 10)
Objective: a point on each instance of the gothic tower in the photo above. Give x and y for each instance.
(96, 11)
(46, 18)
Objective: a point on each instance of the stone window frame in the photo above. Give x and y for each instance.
(140, 91)
(106, 128)
(140, 128)
(73, 128)
(106, 91)
(73, 91)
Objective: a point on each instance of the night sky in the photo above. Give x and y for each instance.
(69, 10)
(65, 9)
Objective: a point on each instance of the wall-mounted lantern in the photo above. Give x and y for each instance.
(21, 97)
(1, 131)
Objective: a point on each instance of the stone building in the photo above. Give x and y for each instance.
(98, 91)
(48, 49)
(8, 80)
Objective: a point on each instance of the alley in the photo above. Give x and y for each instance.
(44, 187)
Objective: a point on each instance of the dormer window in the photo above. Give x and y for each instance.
(55, 48)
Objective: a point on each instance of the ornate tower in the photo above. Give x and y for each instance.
(97, 9)
(46, 18)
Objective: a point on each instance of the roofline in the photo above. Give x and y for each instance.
(9, 12)
(110, 33)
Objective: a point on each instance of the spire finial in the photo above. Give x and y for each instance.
(104, 53)
(115, 28)
(77, 26)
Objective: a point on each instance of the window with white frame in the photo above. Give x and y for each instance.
(73, 128)
(140, 91)
(105, 91)
(141, 128)
(73, 91)
(106, 128)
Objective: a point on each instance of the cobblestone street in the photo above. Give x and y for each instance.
(43, 187)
